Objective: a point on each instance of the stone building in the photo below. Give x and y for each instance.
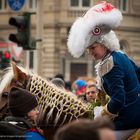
(52, 22)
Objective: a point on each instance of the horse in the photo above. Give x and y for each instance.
(56, 105)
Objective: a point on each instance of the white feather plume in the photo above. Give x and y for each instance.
(80, 36)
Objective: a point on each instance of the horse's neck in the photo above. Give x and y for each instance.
(56, 102)
(49, 133)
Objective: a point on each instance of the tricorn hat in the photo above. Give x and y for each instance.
(95, 26)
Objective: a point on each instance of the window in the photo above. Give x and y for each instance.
(74, 3)
(75, 70)
(32, 4)
(3, 4)
(0, 4)
(123, 5)
(85, 3)
(80, 4)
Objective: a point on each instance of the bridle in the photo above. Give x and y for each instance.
(4, 98)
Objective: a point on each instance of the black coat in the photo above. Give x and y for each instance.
(14, 128)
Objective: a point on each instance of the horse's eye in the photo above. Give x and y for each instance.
(5, 94)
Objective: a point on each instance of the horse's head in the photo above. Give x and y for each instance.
(13, 76)
(56, 106)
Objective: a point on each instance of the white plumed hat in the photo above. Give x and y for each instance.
(95, 26)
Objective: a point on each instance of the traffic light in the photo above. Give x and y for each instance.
(23, 35)
(5, 58)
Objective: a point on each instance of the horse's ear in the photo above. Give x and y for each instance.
(18, 74)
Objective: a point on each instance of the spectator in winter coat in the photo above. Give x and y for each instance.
(23, 107)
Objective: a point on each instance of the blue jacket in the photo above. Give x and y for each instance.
(33, 135)
(121, 83)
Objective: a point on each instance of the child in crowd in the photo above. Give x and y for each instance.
(22, 106)
(78, 87)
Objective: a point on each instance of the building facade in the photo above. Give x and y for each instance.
(51, 24)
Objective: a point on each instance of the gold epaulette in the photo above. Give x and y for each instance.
(106, 66)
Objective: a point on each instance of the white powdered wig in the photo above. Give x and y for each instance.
(98, 21)
(110, 40)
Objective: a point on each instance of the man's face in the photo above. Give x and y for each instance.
(33, 114)
(97, 50)
(107, 134)
(91, 94)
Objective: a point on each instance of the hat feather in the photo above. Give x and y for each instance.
(104, 15)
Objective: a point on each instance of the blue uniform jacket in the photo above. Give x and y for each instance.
(121, 83)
